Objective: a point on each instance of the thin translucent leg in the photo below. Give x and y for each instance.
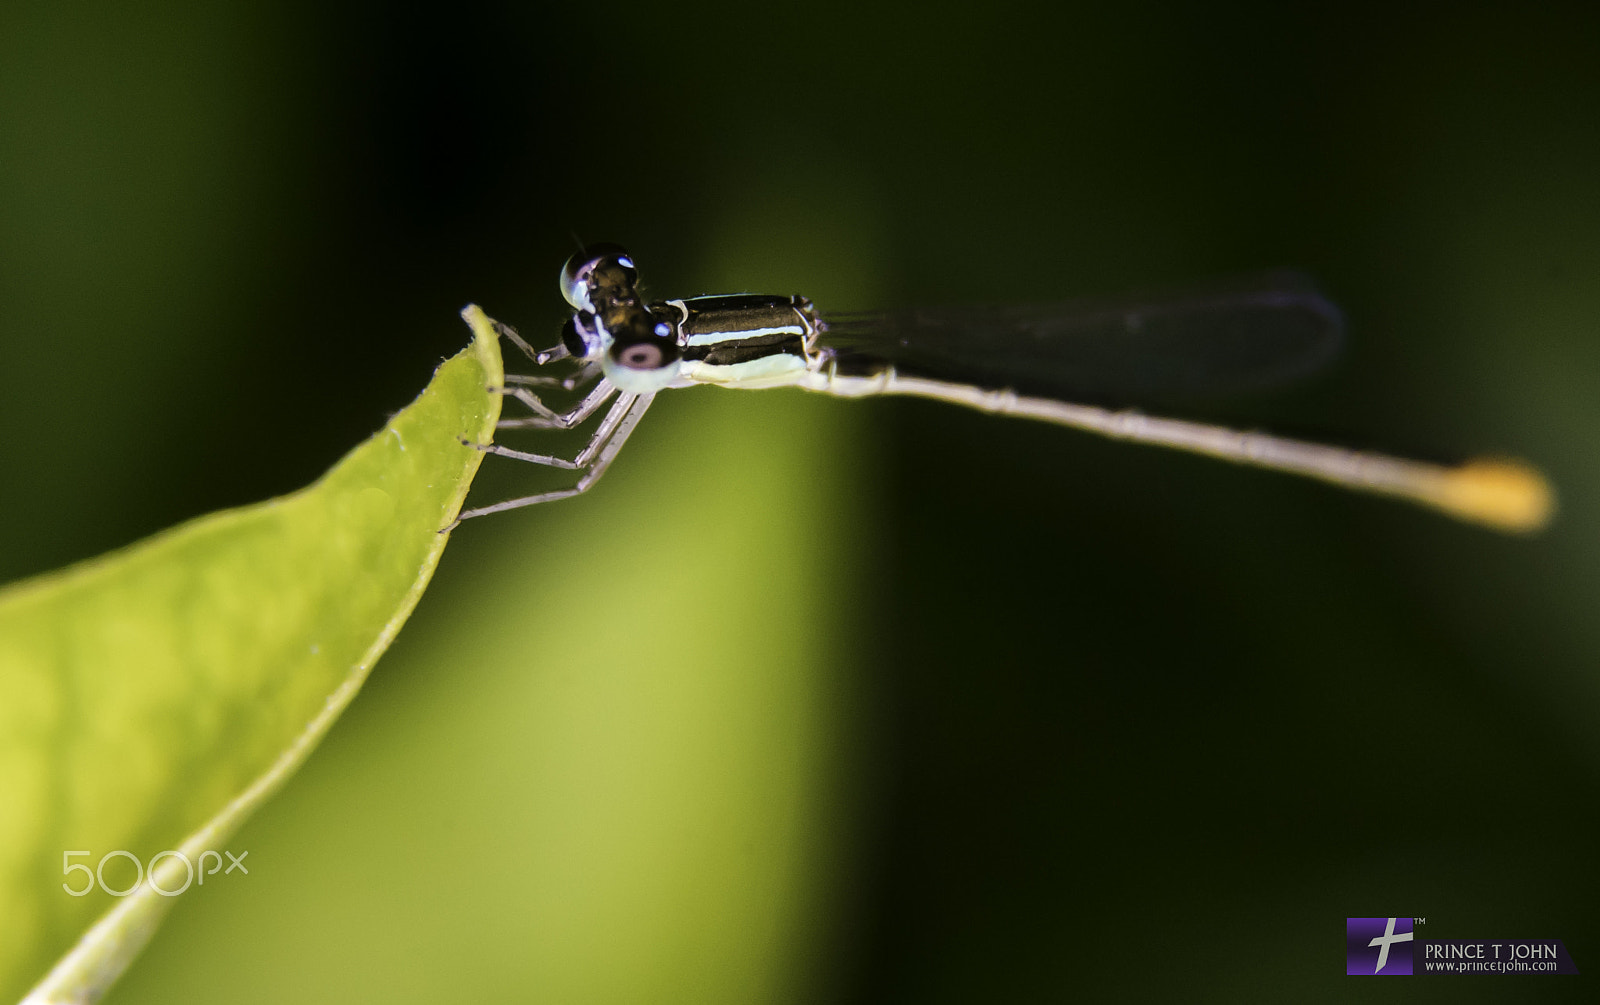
(608, 428)
(510, 335)
(524, 380)
(614, 431)
(548, 419)
(527, 397)
(586, 373)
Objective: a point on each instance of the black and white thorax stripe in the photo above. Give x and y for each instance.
(745, 338)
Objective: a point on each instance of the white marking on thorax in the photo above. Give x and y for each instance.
(714, 338)
(777, 370)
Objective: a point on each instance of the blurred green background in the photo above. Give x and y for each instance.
(830, 701)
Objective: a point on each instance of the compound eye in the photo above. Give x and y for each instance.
(607, 266)
(579, 341)
(643, 356)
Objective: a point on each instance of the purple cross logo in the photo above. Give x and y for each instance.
(1379, 946)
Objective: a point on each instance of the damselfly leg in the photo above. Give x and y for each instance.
(517, 385)
(546, 418)
(509, 333)
(593, 460)
(569, 383)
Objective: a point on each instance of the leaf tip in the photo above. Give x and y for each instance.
(485, 342)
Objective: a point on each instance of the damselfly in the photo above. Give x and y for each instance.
(1074, 364)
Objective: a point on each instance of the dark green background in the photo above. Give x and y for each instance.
(1126, 725)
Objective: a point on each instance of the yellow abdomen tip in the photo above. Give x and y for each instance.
(1506, 494)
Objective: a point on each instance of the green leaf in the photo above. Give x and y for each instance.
(152, 698)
